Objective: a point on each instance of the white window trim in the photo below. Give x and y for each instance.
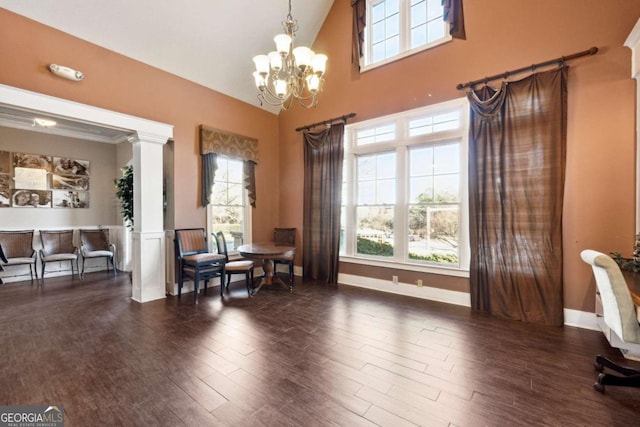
(247, 225)
(404, 39)
(401, 142)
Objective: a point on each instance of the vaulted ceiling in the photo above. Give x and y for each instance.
(210, 42)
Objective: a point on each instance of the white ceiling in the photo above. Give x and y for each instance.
(210, 42)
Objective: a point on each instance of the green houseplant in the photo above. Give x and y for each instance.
(124, 193)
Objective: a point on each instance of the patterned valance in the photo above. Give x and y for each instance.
(228, 144)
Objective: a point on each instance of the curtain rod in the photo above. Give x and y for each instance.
(325, 122)
(506, 74)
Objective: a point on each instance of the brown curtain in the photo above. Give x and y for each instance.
(249, 176)
(359, 24)
(517, 150)
(323, 157)
(209, 168)
(454, 15)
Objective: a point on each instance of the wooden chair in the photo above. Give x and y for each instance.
(16, 248)
(235, 267)
(618, 321)
(284, 236)
(195, 262)
(57, 245)
(96, 244)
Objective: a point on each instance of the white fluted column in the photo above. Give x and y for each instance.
(148, 231)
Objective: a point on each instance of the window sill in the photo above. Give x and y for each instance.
(445, 271)
(405, 54)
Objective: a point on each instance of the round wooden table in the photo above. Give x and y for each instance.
(267, 252)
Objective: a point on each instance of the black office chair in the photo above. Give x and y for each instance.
(195, 262)
(235, 267)
(619, 320)
(284, 236)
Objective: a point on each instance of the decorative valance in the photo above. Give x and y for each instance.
(228, 144)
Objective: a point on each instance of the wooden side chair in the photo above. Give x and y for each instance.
(235, 267)
(96, 244)
(57, 245)
(285, 236)
(195, 262)
(16, 248)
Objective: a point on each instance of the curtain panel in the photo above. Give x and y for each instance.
(209, 168)
(359, 23)
(517, 151)
(215, 142)
(453, 14)
(323, 158)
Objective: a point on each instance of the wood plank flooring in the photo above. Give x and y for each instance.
(314, 357)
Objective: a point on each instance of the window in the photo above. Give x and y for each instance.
(398, 28)
(229, 211)
(405, 189)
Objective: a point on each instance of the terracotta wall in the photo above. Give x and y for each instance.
(118, 83)
(600, 182)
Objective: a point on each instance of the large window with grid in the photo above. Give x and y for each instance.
(398, 28)
(405, 189)
(229, 210)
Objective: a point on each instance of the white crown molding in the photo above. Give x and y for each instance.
(28, 100)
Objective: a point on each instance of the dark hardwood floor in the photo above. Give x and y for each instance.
(314, 357)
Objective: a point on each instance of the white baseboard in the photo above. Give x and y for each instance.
(424, 292)
(580, 319)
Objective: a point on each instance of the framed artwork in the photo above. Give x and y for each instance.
(5, 190)
(31, 198)
(70, 182)
(28, 178)
(5, 162)
(70, 199)
(32, 161)
(25, 182)
(70, 167)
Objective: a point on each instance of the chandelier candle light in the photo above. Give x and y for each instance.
(289, 72)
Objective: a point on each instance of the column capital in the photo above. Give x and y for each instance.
(141, 137)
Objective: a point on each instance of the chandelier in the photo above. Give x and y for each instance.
(289, 72)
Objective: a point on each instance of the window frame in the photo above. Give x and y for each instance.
(405, 37)
(401, 145)
(247, 220)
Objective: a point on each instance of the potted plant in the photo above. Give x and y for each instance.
(124, 193)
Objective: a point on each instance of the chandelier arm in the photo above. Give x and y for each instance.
(312, 104)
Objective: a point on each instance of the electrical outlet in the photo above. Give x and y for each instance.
(419, 283)
(394, 279)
